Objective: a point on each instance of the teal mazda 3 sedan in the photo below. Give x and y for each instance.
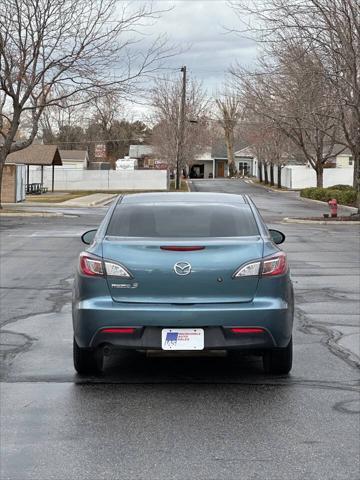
(183, 271)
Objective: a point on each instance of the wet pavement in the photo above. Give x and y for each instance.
(179, 418)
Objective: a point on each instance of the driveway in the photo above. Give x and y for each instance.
(183, 418)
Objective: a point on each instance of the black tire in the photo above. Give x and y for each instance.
(279, 360)
(85, 360)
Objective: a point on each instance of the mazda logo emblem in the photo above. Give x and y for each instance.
(182, 268)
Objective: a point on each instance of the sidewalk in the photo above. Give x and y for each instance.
(93, 200)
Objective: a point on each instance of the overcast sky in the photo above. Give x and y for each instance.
(199, 26)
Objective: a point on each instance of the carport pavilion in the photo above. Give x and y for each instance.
(37, 155)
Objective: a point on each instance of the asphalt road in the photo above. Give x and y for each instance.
(178, 418)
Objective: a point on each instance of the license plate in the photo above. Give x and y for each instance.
(182, 339)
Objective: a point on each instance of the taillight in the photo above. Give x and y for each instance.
(91, 265)
(274, 265)
(94, 266)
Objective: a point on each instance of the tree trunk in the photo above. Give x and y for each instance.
(279, 170)
(319, 175)
(1, 172)
(230, 154)
(3, 156)
(356, 180)
(232, 169)
(260, 170)
(272, 183)
(266, 174)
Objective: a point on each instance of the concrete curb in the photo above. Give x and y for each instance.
(102, 202)
(31, 214)
(320, 222)
(267, 187)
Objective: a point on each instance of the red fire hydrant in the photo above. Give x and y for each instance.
(333, 207)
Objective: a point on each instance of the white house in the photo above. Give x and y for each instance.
(245, 161)
(213, 162)
(343, 157)
(75, 158)
(203, 165)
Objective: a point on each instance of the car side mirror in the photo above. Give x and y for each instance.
(88, 236)
(277, 236)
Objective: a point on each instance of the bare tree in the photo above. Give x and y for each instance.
(73, 50)
(166, 96)
(290, 92)
(278, 152)
(55, 119)
(270, 147)
(228, 115)
(330, 30)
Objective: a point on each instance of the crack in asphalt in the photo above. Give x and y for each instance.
(331, 339)
(313, 295)
(58, 301)
(346, 406)
(10, 354)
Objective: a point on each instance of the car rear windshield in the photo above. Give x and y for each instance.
(179, 220)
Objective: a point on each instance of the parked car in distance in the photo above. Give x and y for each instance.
(183, 271)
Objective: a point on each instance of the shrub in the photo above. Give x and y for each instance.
(341, 187)
(345, 195)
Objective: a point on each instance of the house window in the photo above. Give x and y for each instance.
(243, 168)
(350, 160)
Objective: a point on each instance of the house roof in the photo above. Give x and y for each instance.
(244, 152)
(219, 150)
(36, 155)
(340, 150)
(79, 155)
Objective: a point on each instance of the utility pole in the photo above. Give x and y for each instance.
(180, 132)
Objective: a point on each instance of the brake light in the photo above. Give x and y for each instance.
(175, 248)
(276, 265)
(126, 330)
(91, 265)
(246, 330)
(94, 266)
(270, 266)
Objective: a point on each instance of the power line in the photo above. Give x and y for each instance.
(101, 140)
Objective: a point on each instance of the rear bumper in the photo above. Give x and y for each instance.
(274, 315)
(215, 338)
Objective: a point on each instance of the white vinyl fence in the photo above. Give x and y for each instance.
(301, 176)
(76, 179)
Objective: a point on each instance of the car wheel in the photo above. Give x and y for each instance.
(279, 360)
(85, 359)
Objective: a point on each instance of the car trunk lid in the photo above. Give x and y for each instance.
(161, 273)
